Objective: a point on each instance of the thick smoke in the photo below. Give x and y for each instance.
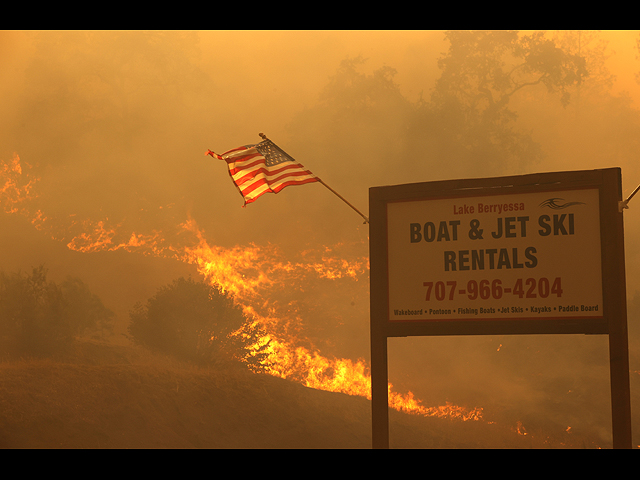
(116, 124)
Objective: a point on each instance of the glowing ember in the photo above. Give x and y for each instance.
(520, 428)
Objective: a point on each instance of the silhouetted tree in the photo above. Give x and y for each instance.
(357, 128)
(40, 318)
(84, 310)
(466, 128)
(469, 115)
(591, 48)
(194, 321)
(601, 125)
(481, 73)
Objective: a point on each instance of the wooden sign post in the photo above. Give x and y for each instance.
(531, 254)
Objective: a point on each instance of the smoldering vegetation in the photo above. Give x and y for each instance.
(114, 125)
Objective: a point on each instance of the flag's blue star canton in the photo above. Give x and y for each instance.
(272, 154)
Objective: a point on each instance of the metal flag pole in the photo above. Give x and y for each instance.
(366, 219)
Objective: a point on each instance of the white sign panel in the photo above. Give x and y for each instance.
(527, 255)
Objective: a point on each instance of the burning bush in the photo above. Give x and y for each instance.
(196, 322)
(40, 318)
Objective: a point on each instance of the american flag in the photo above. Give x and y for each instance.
(263, 168)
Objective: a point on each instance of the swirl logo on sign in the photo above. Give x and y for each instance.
(553, 203)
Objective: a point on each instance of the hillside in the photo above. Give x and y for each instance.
(108, 396)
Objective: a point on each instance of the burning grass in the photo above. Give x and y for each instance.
(305, 330)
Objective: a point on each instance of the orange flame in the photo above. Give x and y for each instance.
(16, 190)
(101, 237)
(245, 273)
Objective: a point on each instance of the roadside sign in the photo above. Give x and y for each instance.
(530, 254)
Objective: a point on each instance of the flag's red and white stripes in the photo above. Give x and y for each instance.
(255, 176)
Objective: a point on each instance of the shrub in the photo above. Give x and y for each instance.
(85, 312)
(39, 318)
(194, 321)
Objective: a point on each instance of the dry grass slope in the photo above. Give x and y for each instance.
(108, 396)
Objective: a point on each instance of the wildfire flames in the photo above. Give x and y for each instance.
(248, 274)
(17, 187)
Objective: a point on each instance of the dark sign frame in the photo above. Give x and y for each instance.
(613, 322)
